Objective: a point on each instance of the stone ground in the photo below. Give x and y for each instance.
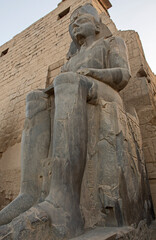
(153, 230)
(101, 233)
(123, 233)
(38, 229)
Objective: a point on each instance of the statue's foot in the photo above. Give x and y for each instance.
(19, 205)
(33, 224)
(5, 232)
(66, 223)
(43, 221)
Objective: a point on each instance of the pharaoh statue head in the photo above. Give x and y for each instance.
(84, 22)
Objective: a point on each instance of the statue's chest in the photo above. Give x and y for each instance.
(89, 58)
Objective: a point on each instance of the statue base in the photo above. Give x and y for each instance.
(35, 225)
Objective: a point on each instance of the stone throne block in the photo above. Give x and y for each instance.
(115, 180)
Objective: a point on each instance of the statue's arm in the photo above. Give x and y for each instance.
(117, 72)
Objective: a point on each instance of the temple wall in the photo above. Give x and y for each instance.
(141, 94)
(10, 174)
(34, 58)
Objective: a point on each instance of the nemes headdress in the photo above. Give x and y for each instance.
(86, 9)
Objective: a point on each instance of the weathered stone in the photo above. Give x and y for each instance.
(142, 232)
(35, 147)
(88, 134)
(36, 226)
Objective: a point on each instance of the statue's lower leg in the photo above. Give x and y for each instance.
(69, 153)
(69, 157)
(35, 146)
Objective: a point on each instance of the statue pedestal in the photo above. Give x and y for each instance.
(113, 233)
(34, 226)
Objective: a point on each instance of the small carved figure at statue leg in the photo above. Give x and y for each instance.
(35, 147)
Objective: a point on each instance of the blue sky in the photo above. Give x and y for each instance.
(138, 15)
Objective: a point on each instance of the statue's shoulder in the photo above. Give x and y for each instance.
(115, 41)
(110, 41)
(101, 42)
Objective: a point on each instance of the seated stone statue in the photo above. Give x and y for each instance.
(56, 138)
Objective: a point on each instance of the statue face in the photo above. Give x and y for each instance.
(82, 26)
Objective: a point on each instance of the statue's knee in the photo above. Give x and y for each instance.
(63, 78)
(36, 101)
(36, 95)
(62, 81)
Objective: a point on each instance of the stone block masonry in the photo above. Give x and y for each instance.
(140, 94)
